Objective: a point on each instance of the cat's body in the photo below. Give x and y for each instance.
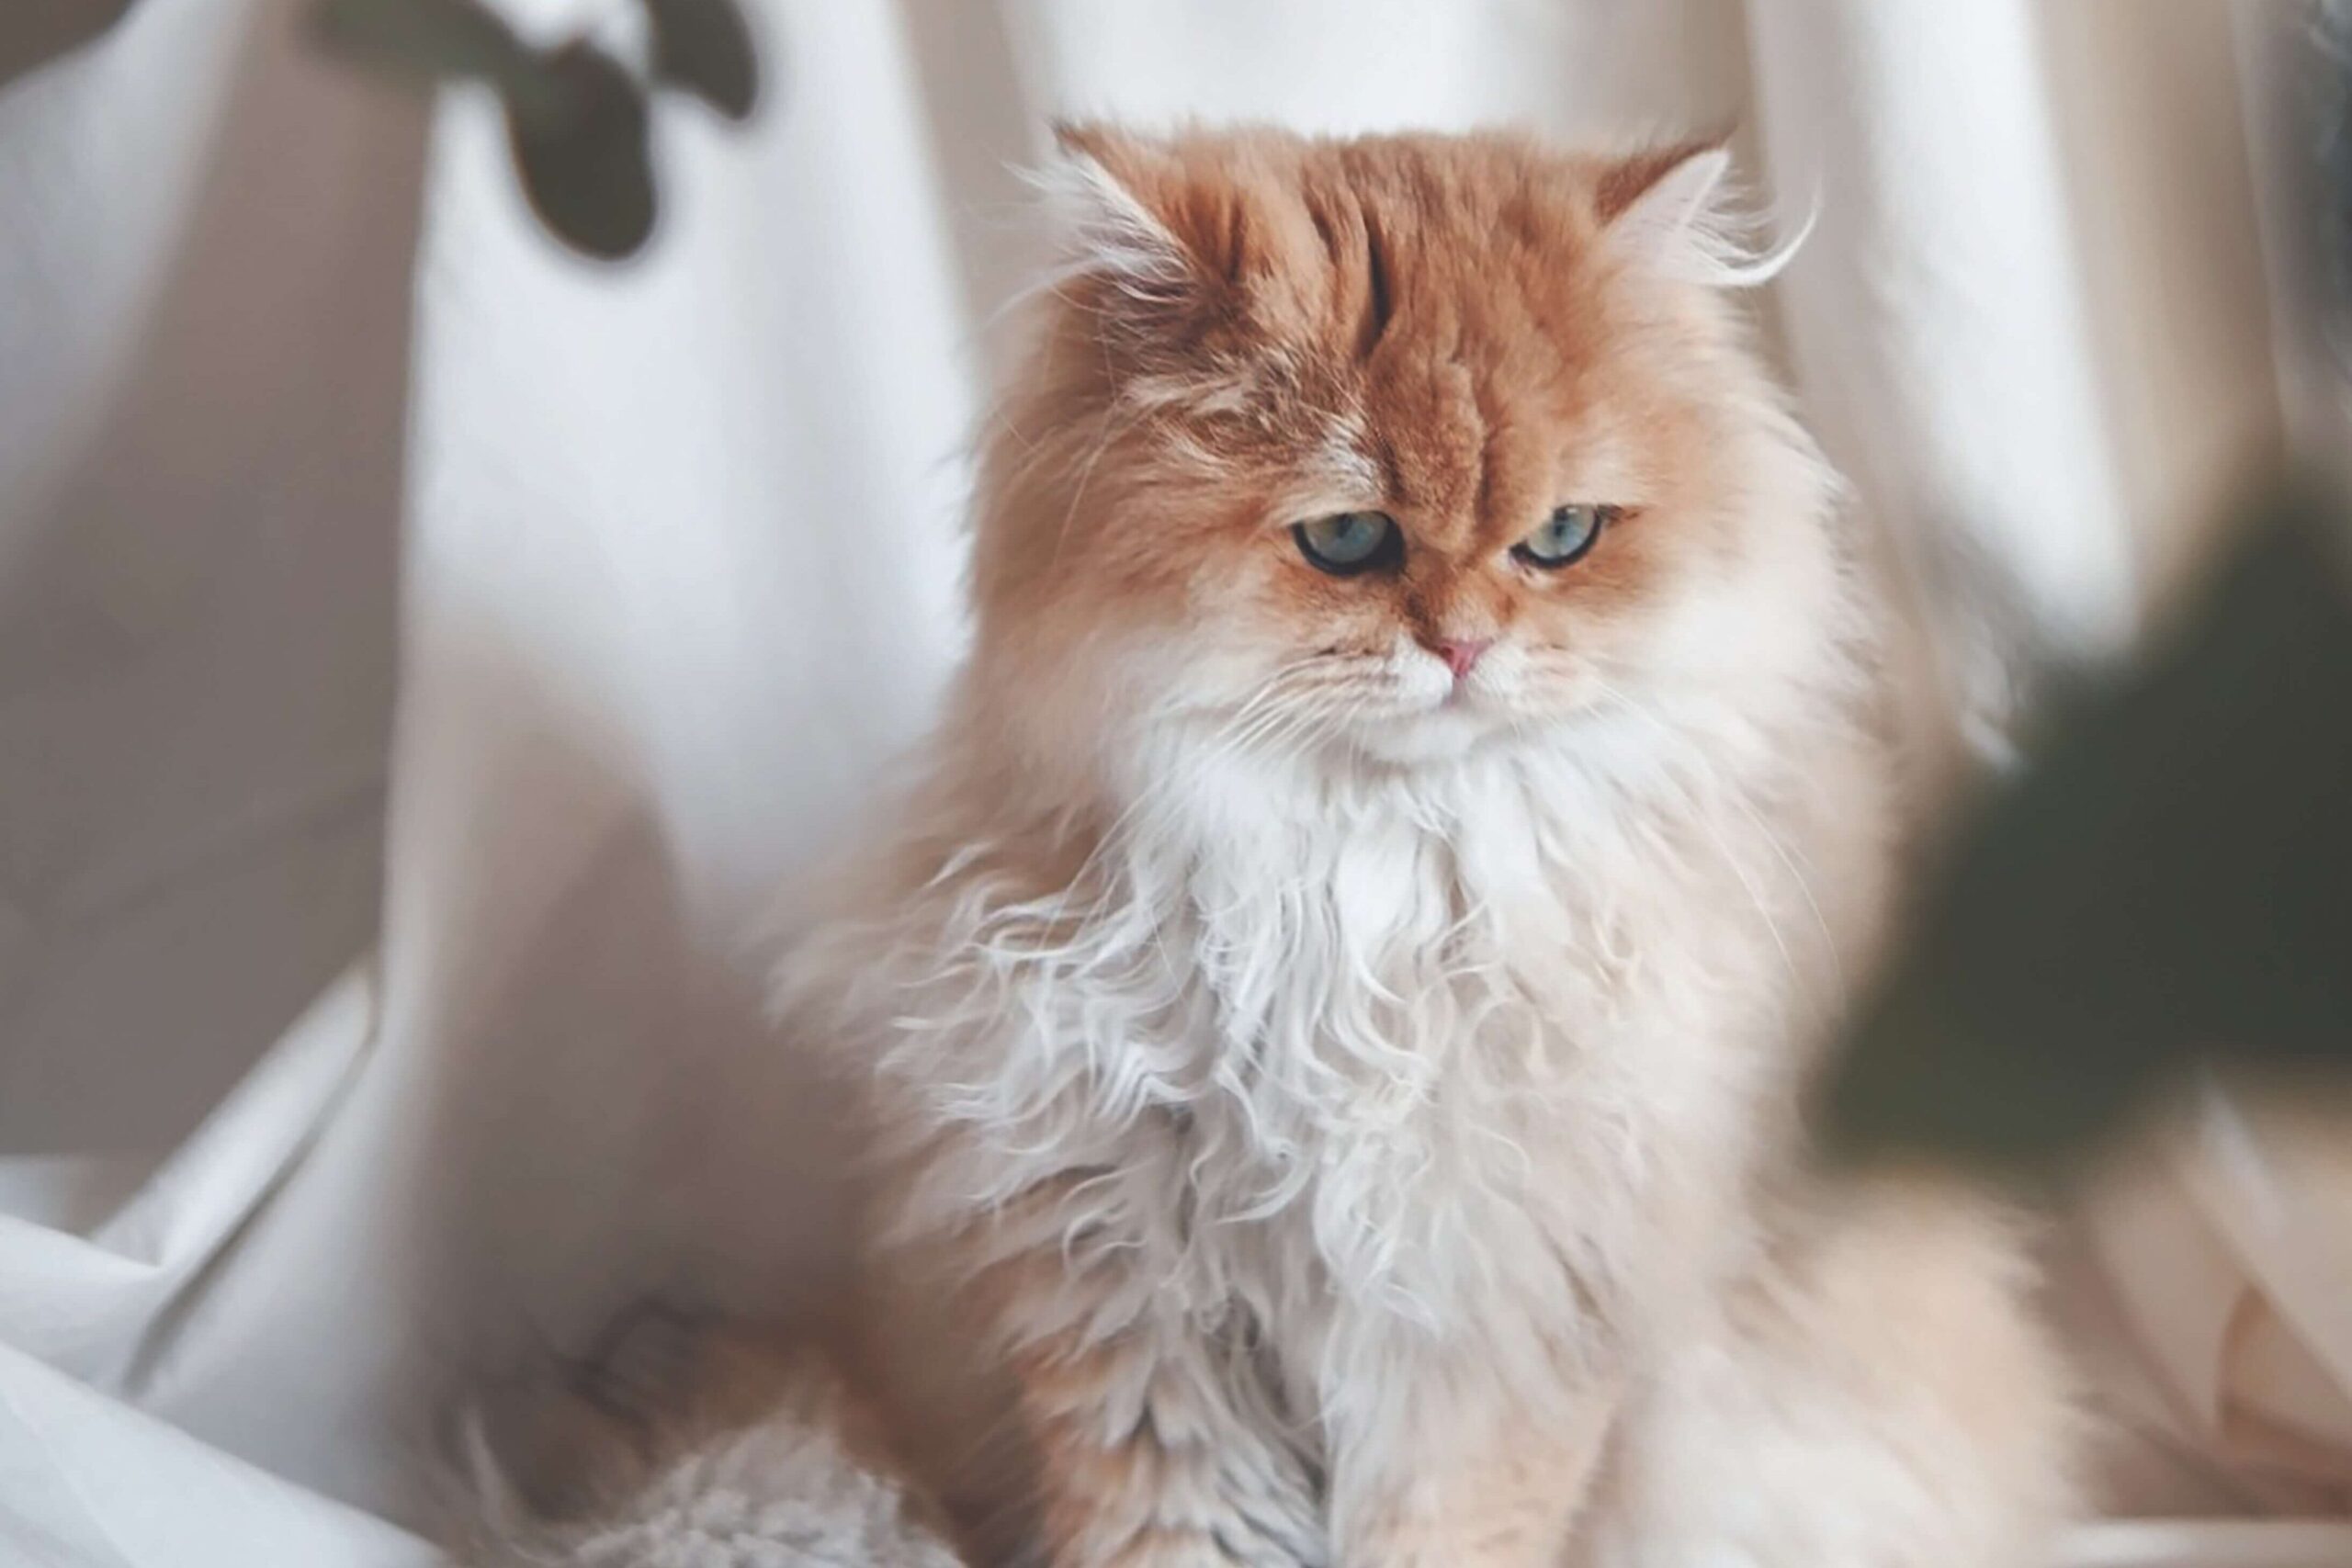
(1336, 1030)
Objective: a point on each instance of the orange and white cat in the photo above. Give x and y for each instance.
(1337, 998)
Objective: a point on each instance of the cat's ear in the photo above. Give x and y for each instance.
(1668, 209)
(1115, 199)
(1653, 199)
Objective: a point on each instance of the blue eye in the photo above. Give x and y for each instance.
(1565, 537)
(1350, 542)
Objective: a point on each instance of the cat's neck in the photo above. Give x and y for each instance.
(1259, 855)
(1240, 844)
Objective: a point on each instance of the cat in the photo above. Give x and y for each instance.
(1336, 997)
(680, 1440)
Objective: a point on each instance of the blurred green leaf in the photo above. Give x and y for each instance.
(578, 128)
(424, 40)
(34, 32)
(704, 46)
(577, 122)
(2169, 883)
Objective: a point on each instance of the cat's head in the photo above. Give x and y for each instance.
(1390, 450)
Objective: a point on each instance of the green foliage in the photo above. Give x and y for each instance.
(704, 47)
(2167, 885)
(427, 40)
(578, 123)
(579, 141)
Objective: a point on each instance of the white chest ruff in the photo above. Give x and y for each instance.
(1428, 1053)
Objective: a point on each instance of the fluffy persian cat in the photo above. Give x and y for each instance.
(1338, 993)
(1337, 998)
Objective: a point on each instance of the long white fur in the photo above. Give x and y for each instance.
(780, 1487)
(1347, 1007)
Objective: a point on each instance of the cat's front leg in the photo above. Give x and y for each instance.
(1452, 1468)
(1157, 1444)
(1147, 1460)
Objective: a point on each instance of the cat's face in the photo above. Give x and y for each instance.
(1395, 448)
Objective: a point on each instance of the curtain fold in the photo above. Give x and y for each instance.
(1938, 329)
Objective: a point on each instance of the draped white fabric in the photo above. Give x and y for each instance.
(423, 655)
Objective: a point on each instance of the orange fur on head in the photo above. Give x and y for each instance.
(1461, 333)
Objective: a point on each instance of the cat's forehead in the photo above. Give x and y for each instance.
(1418, 309)
(1442, 324)
(1465, 250)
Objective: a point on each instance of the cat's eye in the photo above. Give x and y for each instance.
(1565, 537)
(1350, 542)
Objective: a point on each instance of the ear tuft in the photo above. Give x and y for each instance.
(1669, 193)
(1104, 191)
(1669, 209)
(1082, 137)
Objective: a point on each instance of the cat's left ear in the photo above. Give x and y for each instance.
(1119, 202)
(1668, 209)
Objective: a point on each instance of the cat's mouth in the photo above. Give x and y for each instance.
(1458, 722)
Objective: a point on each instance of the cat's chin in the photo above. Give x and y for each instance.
(1434, 738)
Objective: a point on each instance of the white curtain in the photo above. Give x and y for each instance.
(423, 655)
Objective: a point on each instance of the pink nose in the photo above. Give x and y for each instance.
(1461, 654)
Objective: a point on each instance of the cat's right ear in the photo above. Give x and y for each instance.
(1113, 198)
(1667, 208)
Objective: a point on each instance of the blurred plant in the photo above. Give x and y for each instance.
(2166, 886)
(34, 32)
(577, 120)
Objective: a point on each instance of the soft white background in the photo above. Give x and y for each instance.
(424, 656)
